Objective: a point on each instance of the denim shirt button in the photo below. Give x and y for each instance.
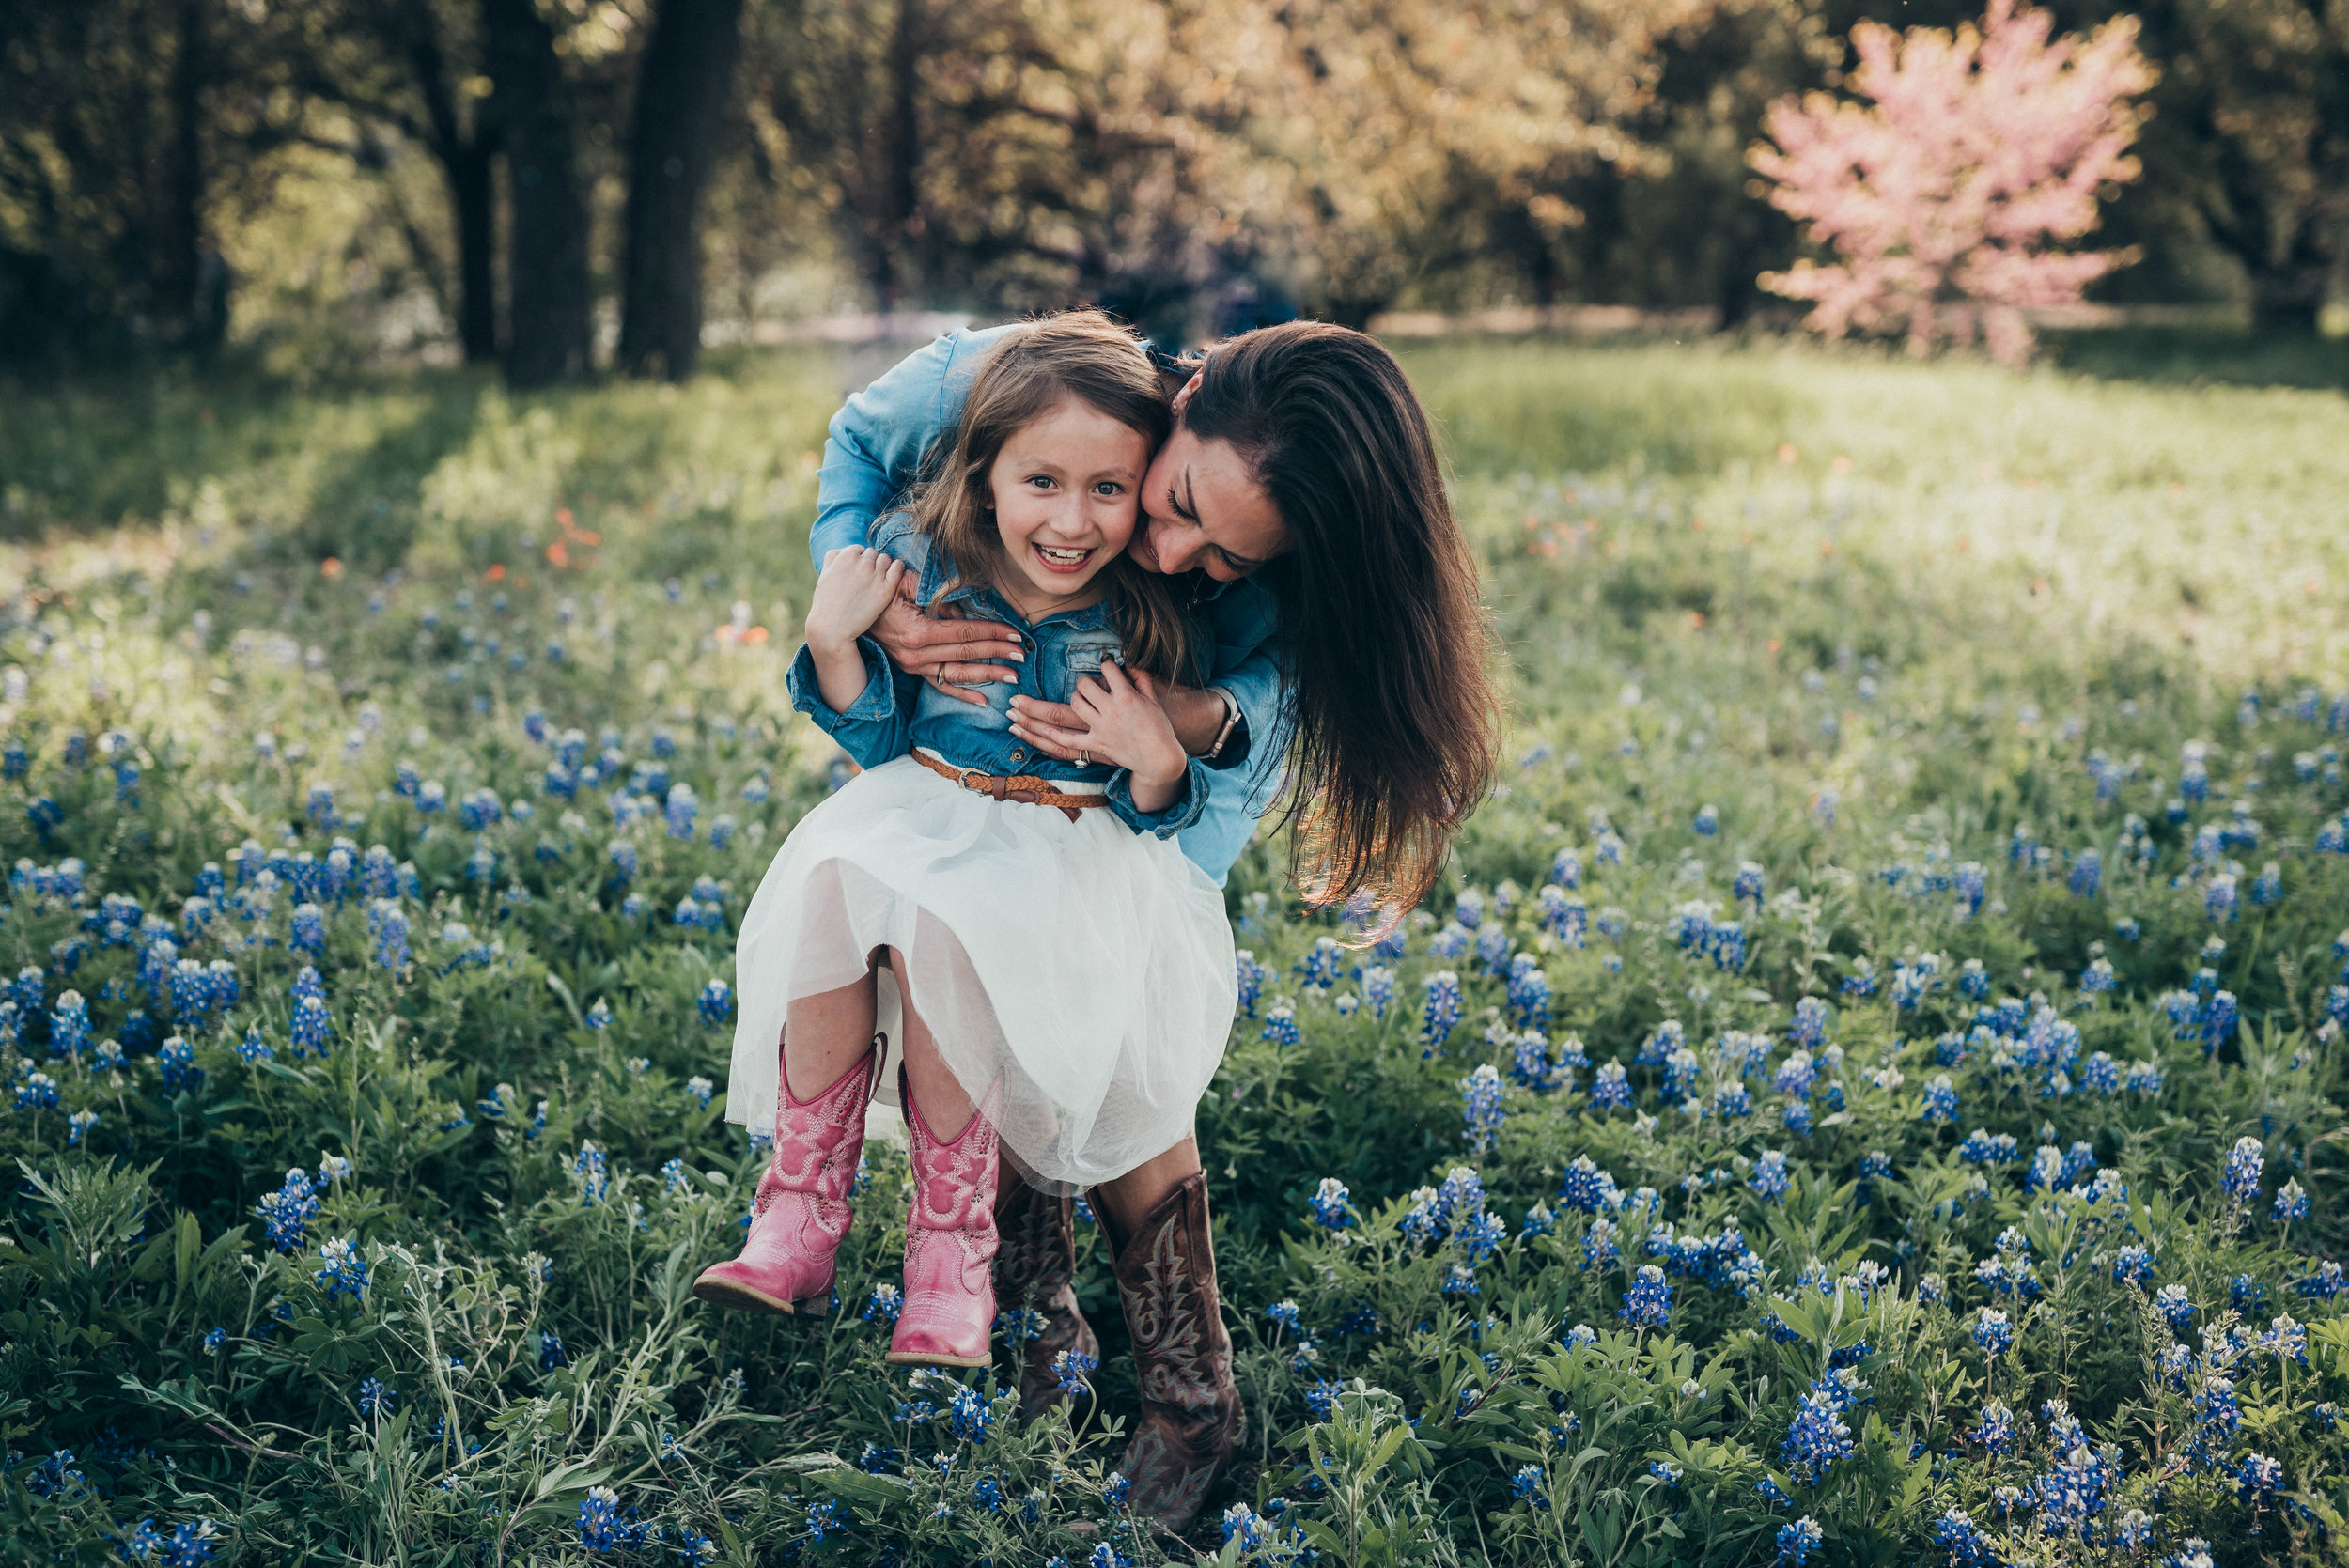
(1019, 754)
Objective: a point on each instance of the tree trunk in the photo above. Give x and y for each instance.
(472, 204)
(681, 91)
(549, 302)
(178, 264)
(466, 157)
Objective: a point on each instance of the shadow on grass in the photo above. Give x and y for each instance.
(2203, 356)
(338, 463)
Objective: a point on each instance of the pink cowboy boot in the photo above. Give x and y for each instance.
(802, 1208)
(950, 1244)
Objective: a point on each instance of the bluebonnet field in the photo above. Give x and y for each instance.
(1868, 1094)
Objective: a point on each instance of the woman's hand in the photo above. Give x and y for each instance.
(1124, 724)
(1057, 729)
(942, 651)
(856, 585)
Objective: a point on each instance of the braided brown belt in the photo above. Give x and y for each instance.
(1026, 788)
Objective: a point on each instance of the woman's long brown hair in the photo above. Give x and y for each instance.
(1028, 372)
(1384, 639)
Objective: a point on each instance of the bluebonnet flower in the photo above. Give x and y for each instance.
(177, 1060)
(1771, 1178)
(1329, 1205)
(1994, 1332)
(599, 1528)
(1968, 1546)
(2219, 901)
(1810, 1026)
(884, 1304)
(1529, 992)
(2088, 873)
(1797, 1541)
(2241, 1179)
(341, 1271)
(1648, 1303)
(1319, 967)
(716, 1003)
(551, 1352)
(2170, 1302)
(1481, 1094)
(1280, 1024)
(1442, 1011)
(2291, 1201)
(37, 1092)
(1610, 1090)
(679, 811)
(1817, 1438)
(69, 1026)
(1707, 821)
(1941, 1102)
(2133, 1265)
(313, 1027)
(375, 1397)
(1601, 1247)
(588, 1166)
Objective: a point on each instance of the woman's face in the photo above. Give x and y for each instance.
(1202, 509)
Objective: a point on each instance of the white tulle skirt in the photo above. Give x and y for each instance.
(1078, 976)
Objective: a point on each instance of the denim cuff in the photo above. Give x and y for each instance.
(875, 704)
(1189, 802)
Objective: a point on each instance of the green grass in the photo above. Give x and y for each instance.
(1887, 619)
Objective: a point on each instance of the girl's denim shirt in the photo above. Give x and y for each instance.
(898, 711)
(877, 444)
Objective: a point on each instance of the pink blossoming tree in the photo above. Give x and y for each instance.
(1946, 195)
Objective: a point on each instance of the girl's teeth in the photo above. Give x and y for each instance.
(1067, 558)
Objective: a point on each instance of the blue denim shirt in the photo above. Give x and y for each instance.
(898, 712)
(878, 442)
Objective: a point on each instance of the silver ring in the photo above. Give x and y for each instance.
(1085, 759)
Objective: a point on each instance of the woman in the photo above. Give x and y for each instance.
(1299, 494)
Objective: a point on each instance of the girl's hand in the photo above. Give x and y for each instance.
(1124, 724)
(855, 586)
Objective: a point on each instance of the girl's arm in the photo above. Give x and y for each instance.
(842, 679)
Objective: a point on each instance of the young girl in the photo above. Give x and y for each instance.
(1068, 974)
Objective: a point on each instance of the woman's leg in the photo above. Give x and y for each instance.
(1129, 1199)
(1155, 1220)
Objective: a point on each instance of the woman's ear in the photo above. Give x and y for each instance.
(1182, 398)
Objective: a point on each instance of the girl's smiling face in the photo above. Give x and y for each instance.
(1068, 488)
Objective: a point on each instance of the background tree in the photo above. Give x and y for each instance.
(549, 300)
(683, 83)
(1942, 196)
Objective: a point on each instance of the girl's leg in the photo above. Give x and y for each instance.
(803, 1212)
(826, 1034)
(950, 1229)
(944, 1106)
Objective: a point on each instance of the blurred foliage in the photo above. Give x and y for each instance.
(334, 180)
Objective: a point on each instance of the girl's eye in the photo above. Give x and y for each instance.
(1042, 481)
(1109, 486)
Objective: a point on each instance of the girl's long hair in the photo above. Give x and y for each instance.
(1382, 635)
(1082, 355)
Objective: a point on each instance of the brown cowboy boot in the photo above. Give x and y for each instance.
(1034, 1266)
(1190, 1412)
